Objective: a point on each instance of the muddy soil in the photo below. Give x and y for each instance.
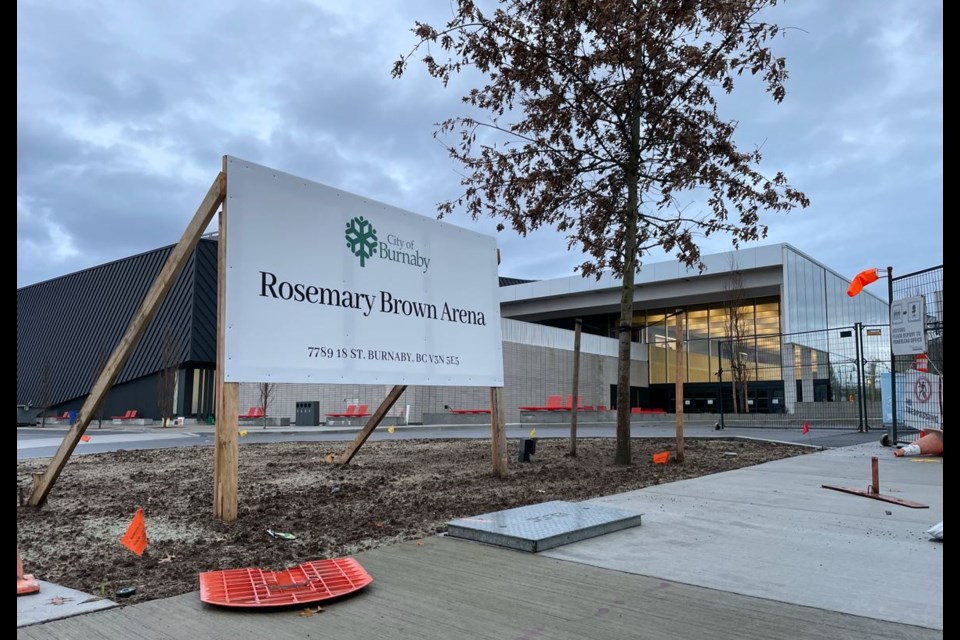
(391, 492)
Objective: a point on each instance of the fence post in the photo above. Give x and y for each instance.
(893, 362)
(861, 405)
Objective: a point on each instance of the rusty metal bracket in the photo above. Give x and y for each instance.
(873, 491)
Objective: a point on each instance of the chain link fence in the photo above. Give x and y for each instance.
(916, 384)
(825, 379)
(843, 378)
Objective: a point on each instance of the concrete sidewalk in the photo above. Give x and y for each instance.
(757, 553)
(772, 531)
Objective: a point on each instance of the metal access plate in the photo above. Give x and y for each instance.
(539, 527)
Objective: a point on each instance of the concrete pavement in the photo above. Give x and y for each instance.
(54, 602)
(760, 552)
(37, 443)
(450, 588)
(772, 531)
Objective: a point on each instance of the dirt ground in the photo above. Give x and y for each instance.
(391, 491)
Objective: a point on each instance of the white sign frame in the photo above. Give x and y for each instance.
(325, 286)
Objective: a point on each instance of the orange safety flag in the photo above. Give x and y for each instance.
(661, 458)
(806, 427)
(85, 438)
(135, 538)
(861, 280)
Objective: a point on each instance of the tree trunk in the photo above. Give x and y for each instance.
(625, 330)
(623, 363)
(574, 404)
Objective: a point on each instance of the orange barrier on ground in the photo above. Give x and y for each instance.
(661, 458)
(308, 582)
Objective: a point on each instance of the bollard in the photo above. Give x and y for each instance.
(528, 447)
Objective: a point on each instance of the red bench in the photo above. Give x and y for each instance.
(469, 411)
(353, 411)
(131, 414)
(554, 403)
(639, 410)
(252, 413)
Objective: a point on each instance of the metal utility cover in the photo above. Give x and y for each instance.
(539, 527)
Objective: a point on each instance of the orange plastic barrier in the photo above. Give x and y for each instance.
(308, 582)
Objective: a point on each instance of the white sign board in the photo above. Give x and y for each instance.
(908, 334)
(329, 287)
(920, 400)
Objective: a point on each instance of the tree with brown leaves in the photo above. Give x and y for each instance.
(599, 118)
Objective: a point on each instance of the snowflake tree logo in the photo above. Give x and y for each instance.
(361, 239)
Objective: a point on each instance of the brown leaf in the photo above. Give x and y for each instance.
(169, 558)
(379, 525)
(58, 600)
(419, 543)
(309, 611)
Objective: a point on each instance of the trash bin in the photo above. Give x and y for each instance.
(308, 414)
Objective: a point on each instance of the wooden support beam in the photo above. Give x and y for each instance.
(225, 446)
(498, 433)
(372, 423)
(42, 484)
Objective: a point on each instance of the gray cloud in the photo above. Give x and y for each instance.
(125, 109)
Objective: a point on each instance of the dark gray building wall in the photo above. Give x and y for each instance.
(68, 326)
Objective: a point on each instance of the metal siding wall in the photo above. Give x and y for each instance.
(204, 336)
(70, 325)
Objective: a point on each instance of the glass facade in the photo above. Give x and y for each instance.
(705, 330)
(817, 299)
(797, 346)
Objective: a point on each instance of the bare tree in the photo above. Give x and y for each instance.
(739, 335)
(601, 121)
(46, 391)
(266, 396)
(102, 358)
(167, 377)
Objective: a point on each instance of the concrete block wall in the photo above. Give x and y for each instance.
(531, 373)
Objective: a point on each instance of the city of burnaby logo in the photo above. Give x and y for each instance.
(361, 239)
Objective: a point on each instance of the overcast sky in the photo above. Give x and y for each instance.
(124, 110)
